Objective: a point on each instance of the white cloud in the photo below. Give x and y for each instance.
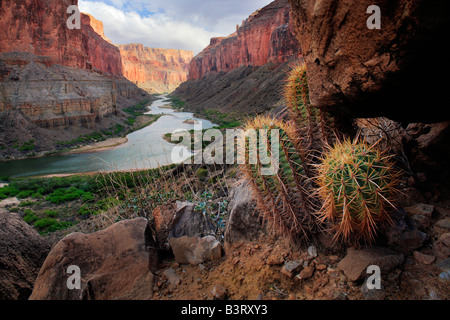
(175, 24)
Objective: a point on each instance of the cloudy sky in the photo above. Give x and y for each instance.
(174, 24)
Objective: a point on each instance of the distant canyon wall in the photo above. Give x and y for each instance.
(39, 27)
(266, 36)
(56, 77)
(244, 74)
(155, 70)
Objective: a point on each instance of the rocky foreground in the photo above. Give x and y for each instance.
(176, 255)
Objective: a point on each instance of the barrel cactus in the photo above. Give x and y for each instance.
(357, 186)
(314, 126)
(283, 196)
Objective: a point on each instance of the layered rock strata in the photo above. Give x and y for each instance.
(266, 36)
(155, 70)
(56, 97)
(40, 28)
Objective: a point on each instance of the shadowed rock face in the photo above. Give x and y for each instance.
(116, 264)
(266, 36)
(39, 27)
(393, 72)
(22, 252)
(155, 70)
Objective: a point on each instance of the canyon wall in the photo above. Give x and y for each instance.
(244, 74)
(266, 36)
(39, 27)
(155, 70)
(57, 84)
(56, 97)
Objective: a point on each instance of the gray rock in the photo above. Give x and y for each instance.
(422, 222)
(195, 250)
(188, 222)
(355, 264)
(445, 275)
(445, 265)
(244, 222)
(22, 253)
(179, 219)
(312, 252)
(404, 235)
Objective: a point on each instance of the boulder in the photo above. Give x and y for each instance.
(355, 264)
(22, 253)
(179, 219)
(115, 264)
(404, 235)
(359, 72)
(244, 223)
(188, 222)
(195, 250)
(420, 209)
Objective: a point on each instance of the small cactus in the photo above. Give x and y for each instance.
(357, 184)
(284, 196)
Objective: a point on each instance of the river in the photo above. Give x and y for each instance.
(145, 149)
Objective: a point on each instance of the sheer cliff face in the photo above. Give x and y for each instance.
(155, 70)
(266, 36)
(55, 77)
(39, 27)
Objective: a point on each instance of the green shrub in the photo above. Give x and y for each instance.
(26, 204)
(51, 213)
(25, 194)
(8, 192)
(48, 225)
(70, 194)
(30, 216)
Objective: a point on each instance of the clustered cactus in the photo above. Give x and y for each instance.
(282, 197)
(357, 185)
(353, 183)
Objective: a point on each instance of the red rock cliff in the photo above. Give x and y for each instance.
(155, 70)
(39, 27)
(266, 36)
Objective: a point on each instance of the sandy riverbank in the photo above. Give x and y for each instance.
(100, 146)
